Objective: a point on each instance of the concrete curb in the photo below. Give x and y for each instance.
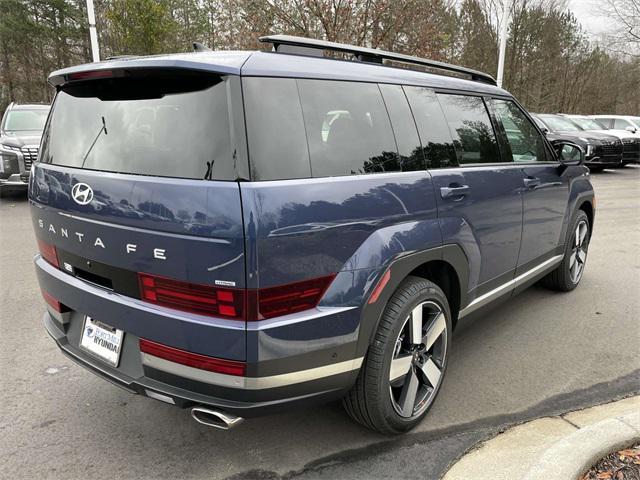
(553, 448)
(573, 455)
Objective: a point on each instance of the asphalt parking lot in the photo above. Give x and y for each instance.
(539, 354)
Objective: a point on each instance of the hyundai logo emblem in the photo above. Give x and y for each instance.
(82, 193)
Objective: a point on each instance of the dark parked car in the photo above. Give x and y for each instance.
(20, 132)
(239, 233)
(601, 150)
(630, 140)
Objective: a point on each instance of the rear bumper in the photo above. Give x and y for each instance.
(282, 369)
(182, 397)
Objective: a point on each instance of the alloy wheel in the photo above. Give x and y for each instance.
(578, 254)
(418, 360)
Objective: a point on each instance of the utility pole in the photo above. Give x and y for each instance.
(93, 34)
(503, 40)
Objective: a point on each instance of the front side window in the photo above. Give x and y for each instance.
(165, 124)
(620, 124)
(471, 129)
(524, 142)
(347, 128)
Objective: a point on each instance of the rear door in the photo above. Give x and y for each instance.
(479, 195)
(546, 190)
(138, 175)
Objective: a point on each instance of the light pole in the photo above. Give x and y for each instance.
(93, 34)
(503, 41)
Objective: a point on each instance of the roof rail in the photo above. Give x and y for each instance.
(309, 46)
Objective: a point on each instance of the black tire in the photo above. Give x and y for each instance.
(370, 400)
(596, 169)
(561, 278)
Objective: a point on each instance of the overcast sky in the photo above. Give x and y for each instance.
(592, 21)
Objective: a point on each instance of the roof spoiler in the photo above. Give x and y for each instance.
(308, 46)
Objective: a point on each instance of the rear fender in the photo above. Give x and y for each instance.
(400, 268)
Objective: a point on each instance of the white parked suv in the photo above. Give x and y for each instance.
(630, 140)
(619, 122)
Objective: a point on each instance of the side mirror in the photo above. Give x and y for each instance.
(631, 129)
(569, 153)
(545, 130)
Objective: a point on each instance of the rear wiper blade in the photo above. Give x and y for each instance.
(103, 128)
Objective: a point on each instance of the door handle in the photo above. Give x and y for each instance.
(531, 182)
(451, 192)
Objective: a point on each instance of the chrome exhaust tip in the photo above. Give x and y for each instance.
(215, 418)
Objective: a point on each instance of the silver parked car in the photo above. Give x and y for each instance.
(20, 133)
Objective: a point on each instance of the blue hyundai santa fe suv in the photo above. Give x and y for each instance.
(240, 232)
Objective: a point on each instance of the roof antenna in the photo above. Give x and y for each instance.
(199, 47)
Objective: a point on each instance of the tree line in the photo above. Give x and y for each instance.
(551, 64)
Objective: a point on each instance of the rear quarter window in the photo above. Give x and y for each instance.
(298, 128)
(275, 129)
(171, 125)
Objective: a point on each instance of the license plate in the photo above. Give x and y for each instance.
(101, 340)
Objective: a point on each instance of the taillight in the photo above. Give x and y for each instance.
(49, 253)
(233, 303)
(195, 360)
(285, 299)
(53, 302)
(192, 297)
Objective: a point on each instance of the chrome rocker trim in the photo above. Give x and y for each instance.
(488, 297)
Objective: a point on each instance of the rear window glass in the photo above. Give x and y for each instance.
(172, 125)
(404, 128)
(317, 128)
(275, 129)
(347, 127)
(471, 128)
(432, 127)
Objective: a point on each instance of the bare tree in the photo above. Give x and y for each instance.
(625, 36)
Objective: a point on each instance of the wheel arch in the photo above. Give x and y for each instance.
(445, 276)
(446, 266)
(587, 207)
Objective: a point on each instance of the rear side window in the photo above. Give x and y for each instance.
(471, 128)
(167, 124)
(404, 128)
(523, 140)
(437, 142)
(347, 128)
(275, 129)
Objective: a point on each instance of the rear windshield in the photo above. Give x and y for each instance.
(171, 125)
